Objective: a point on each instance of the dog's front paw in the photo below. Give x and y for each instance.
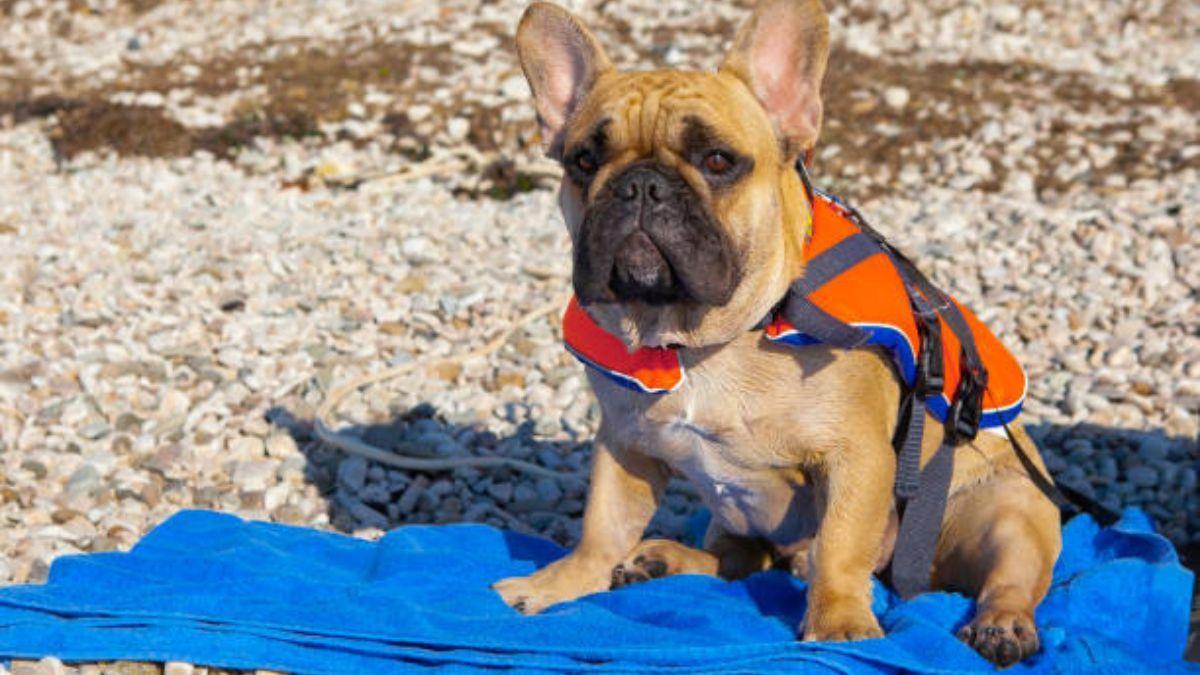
(561, 581)
(522, 594)
(1001, 637)
(840, 620)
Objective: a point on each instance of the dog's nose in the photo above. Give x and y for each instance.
(641, 182)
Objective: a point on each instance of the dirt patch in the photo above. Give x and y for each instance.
(144, 131)
(954, 101)
(126, 130)
(867, 141)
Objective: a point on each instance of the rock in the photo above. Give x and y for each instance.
(247, 447)
(254, 474)
(362, 514)
(280, 445)
(352, 473)
(95, 430)
(458, 128)
(1143, 476)
(896, 97)
(501, 492)
(548, 492)
(524, 497)
(412, 493)
(85, 480)
(178, 668)
(1153, 448)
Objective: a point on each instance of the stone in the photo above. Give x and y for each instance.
(896, 97)
(501, 492)
(1143, 476)
(352, 473)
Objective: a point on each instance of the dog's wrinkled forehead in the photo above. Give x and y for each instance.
(665, 115)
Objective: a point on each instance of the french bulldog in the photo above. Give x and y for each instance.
(687, 218)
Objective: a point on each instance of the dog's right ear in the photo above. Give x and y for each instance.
(780, 53)
(562, 60)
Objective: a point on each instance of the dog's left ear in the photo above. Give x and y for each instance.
(780, 53)
(562, 61)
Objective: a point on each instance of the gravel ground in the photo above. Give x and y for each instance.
(203, 232)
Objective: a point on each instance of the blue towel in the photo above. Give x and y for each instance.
(209, 588)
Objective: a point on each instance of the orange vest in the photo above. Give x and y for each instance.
(870, 295)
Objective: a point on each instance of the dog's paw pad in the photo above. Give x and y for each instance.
(638, 570)
(1004, 638)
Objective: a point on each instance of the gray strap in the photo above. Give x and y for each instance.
(805, 315)
(908, 460)
(826, 328)
(840, 257)
(921, 524)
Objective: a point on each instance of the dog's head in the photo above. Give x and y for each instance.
(686, 214)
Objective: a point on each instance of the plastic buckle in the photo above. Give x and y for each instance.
(966, 412)
(930, 364)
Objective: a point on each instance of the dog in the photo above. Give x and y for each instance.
(688, 223)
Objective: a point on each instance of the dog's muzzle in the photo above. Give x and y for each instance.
(648, 237)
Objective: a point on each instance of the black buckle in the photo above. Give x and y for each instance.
(930, 367)
(966, 412)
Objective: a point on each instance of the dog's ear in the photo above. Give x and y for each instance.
(562, 60)
(780, 53)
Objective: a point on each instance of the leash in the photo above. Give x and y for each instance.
(357, 446)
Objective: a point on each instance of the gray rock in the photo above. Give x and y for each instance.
(548, 492)
(1153, 448)
(408, 500)
(352, 473)
(84, 481)
(362, 514)
(501, 492)
(1143, 476)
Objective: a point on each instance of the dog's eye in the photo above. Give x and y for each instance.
(718, 162)
(585, 161)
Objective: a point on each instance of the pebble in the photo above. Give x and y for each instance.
(1143, 476)
(352, 473)
(896, 97)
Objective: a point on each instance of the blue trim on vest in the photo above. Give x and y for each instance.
(883, 335)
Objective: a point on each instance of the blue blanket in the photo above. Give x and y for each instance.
(212, 589)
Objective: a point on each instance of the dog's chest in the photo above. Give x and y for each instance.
(717, 433)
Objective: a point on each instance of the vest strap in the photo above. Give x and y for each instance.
(800, 311)
(912, 562)
(841, 257)
(908, 455)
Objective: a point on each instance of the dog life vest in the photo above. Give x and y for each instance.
(858, 291)
(851, 279)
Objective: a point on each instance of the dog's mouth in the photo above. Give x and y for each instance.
(648, 238)
(641, 272)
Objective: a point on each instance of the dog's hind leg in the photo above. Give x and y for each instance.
(999, 542)
(724, 555)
